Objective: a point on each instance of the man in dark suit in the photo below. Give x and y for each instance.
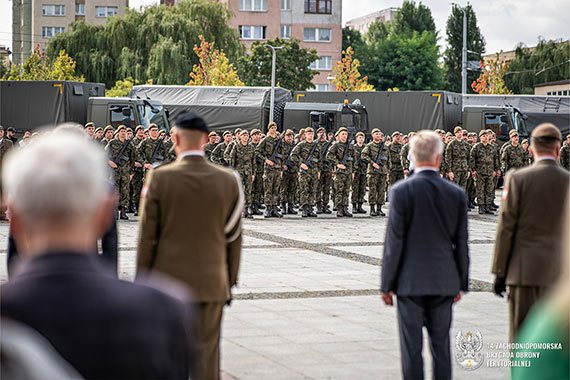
(426, 261)
(528, 247)
(105, 328)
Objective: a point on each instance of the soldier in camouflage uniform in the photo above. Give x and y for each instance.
(289, 178)
(484, 165)
(471, 190)
(152, 150)
(376, 174)
(457, 159)
(325, 179)
(257, 192)
(306, 157)
(529, 160)
(121, 159)
(565, 154)
(342, 171)
(217, 155)
(235, 140)
(493, 142)
(137, 180)
(396, 171)
(404, 153)
(108, 134)
(513, 155)
(209, 147)
(443, 165)
(242, 158)
(272, 169)
(359, 181)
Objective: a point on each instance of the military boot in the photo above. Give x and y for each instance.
(327, 209)
(373, 210)
(469, 206)
(255, 210)
(379, 211)
(488, 210)
(339, 212)
(345, 211)
(246, 213)
(354, 208)
(268, 213)
(305, 212)
(275, 212)
(290, 209)
(481, 209)
(335, 208)
(284, 207)
(360, 209)
(123, 214)
(472, 201)
(311, 212)
(494, 206)
(320, 208)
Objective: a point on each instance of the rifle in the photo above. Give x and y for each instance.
(119, 158)
(379, 158)
(309, 161)
(324, 152)
(274, 154)
(345, 157)
(155, 153)
(288, 162)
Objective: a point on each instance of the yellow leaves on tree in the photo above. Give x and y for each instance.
(214, 68)
(491, 80)
(39, 67)
(347, 77)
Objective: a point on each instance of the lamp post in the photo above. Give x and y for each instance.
(274, 49)
(463, 51)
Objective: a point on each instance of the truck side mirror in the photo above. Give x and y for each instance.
(127, 111)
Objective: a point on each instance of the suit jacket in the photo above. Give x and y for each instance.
(105, 328)
(190, 227)
(528, 247)
(425, 250)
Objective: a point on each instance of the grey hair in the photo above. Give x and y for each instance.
(61, 176)
(425, 146)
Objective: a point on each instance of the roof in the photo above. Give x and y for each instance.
(326, 107)
(555, 83)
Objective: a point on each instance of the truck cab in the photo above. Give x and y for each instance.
(330, 116)
(500, 120)
(127, 111)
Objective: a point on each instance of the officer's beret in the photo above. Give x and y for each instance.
(212, 134)
(121, 127)
(513, 132)
(375, 130)
(396, 134)
(309, 129)
(255, 131)
(321, 129)
(226, 133)
(457, 129)
(525, 141)
(342, 129)
(360, 134)
(546, 131)
(98, 129)
(289, 132)
(190, 121)
(482, 132)
(139, 127)
(90, 124)
(301, 131)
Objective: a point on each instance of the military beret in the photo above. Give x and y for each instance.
(255, 131)
(139, 127)
(321, 129)
(411, 134)
(449, 134)
(483, 132)
(375, 130)
(237, 130)
(108, 128)
(342, 129)
(129, 129)
(212, 134)
(309, 129)
(360, 134)
(568, 137)
(437, 130)
(513, 132)
(153, 126)
(90, 124)
(489, 131)
(120, 127)
(10, 129)
(457, 129)
(301, 131)
(336, 133)
(1, 128)
(98, 129)
(226, 133)
(525, 141)
(191, 121)
(289, 132)
(546, 131)
(396, 134)
(244, 132)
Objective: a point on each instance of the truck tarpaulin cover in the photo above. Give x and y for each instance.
(26, 105)
(539, 109)
(221, 107)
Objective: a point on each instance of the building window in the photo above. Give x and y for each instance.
(105, 11)
(80, 9)
(50, 31)
(323, 87)
(318, 6)
(53, 10)
(323, 63)
(285, 5)
(316, 34)
(286, 31)
(253, 5)
(252, 32)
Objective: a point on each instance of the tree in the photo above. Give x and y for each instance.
(39, 67)
(351, 38)
(452, 55)
(410, 18)
(214, 68)
(3, 68)
(156, 43)
(122, 87)
(548, 62)
(292, 70)
(347, 76)
(490, 80)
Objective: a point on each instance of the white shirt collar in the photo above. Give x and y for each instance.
(425, 168)
(542, 158)
(193, 152)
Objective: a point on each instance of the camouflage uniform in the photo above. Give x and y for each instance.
(308, 179)
(289, 179)
(457, 160)
(257, 192)
(396, 171)
(325, 181)
(271, 174)
(498, 155)
(376, 178)
(483, 160)
(228, 152)
(208, 149)
(404, 157)
(137, 180)
(242, 158)
(147, 148)
(565, 157)
(443, 166)
(217, 156)
(359, 181)
(124, 168)
(342, 178)
(512, 157)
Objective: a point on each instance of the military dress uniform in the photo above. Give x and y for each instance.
(243, 160)
(483, 160)
(289, 180)
(359, 181)
(325, 180)
(125, 163)
(342, 177)
(376, 178)
(396, 171)
(271, 174)
(307, 153)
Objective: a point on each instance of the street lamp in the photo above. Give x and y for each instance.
(274, 49)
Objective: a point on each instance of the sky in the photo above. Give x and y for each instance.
(503, 23)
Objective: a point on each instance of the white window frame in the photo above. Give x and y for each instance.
(253, 5)
(323, 63)
(80, 9)
(253, 30)
(53, 10)
(325, 87)
(285, 5)
(283, 32)
(51, 31)
(318, 35)
(107, 11)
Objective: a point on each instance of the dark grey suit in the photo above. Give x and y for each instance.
(426, 264)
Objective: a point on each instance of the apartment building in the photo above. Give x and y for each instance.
(36, 21)
(363, 23)
(316, 23)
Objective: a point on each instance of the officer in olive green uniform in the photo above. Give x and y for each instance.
(565, 154)
(378, 169)
(359, 181)
(484, 165)
(396, 171)
(137, 180)
(342, 171)
(270, 151)
(306, 157)
(257, 192)
(217, 155)
(242, 158)
(325, 180)
(211, 145)
(121, 159)
(289, 179)
(513, 155)
(153, 150)
(457, 159)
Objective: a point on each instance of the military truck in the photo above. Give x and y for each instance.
(330, 116)
(28, 105)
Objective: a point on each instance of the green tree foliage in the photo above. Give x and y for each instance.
(292, 70)
(452, 55)
(121, 88)
(40, 67)
(156, 43)
(351, 38)
(411, 18)
(3, 68)
(549, 62)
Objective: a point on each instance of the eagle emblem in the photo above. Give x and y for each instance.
(469, 347)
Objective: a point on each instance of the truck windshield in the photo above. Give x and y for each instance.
(519, 123)
(157, 117)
